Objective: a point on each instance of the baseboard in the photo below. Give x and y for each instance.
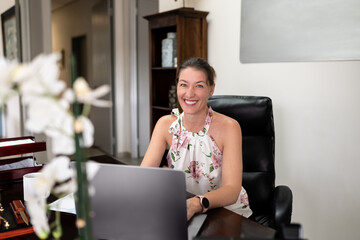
(123, 155)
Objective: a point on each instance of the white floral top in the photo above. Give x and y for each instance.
(198, 155)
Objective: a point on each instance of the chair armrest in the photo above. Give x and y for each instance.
(283, 199)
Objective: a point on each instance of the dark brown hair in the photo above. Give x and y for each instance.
(199, 64)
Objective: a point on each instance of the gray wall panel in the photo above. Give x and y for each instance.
(306, 30)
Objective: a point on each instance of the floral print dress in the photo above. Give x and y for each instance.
(200, 158)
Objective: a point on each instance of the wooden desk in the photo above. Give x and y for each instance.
(225, 223)
(219, 223)
(14, 190)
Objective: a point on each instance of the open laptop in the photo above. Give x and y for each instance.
(132, 202)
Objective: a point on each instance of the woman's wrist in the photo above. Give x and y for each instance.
(194, 205)
(197, 205)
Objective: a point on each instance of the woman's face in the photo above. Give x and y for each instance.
(193, 90)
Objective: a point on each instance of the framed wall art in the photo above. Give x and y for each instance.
(9, 32)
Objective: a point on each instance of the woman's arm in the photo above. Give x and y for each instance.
(159, 139)
(230, 138)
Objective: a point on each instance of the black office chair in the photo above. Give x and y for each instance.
(271, 206)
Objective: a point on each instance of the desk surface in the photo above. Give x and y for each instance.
(219, 222)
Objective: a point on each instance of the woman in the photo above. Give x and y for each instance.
(203, 143)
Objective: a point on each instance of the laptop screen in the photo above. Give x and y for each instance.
(132, 202)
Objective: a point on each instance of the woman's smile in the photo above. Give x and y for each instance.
(190, 102)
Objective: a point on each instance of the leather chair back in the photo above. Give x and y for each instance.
(255, 116)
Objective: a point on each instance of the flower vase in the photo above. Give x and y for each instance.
(168, 50)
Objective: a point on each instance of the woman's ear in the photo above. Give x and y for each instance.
(212, 89)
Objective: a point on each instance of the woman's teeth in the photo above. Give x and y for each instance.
(190, 102)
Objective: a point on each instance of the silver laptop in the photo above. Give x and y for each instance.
(132, 202)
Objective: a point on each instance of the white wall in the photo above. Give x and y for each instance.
(82, 26)
(316, 111)
(69, 21)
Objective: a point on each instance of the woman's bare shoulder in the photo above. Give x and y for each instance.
(224, 129)
(224, 122)
(165, 121)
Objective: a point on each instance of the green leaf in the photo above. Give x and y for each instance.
(210, 154)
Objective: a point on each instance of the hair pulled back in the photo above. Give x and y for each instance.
(199, 64)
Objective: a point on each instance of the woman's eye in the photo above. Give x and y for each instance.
(200, 86)
(182, 85)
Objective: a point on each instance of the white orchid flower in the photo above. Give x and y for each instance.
(61, 132)
(85, 94)
(52, 117)
(36, 208)
(68, 96)
(58, 171)
(40, 77)
(84, 125)
(64, 143)
(92, 169)
(44, 113)
(48, 105)
(6, 82)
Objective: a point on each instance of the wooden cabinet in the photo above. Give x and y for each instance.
(191, 41)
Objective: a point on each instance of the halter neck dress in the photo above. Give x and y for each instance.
(201, 159)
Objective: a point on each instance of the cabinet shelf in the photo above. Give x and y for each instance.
(163, 68)
(191, 36)
(161, 108)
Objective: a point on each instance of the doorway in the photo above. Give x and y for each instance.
(79, 49)
(83, 28)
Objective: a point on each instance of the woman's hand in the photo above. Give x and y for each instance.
(193, 207)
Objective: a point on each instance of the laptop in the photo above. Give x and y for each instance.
(135, 203)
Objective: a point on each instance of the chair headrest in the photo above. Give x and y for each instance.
(254, 113)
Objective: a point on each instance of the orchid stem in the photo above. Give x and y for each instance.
(83, 200)
(86, 110)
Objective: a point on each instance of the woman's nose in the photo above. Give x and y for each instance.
(190, 92)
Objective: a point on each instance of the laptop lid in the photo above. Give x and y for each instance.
(132, 202)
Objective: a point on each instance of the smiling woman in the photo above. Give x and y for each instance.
(195, 77)
(203, 144)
